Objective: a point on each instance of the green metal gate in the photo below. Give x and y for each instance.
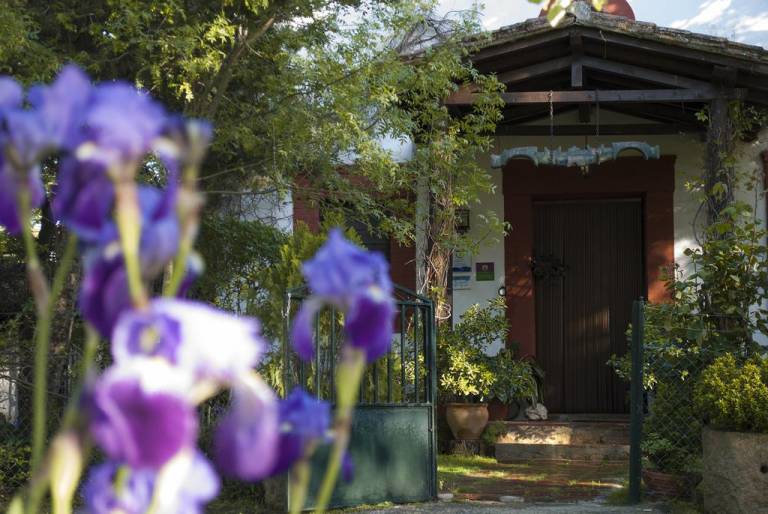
(393, 442)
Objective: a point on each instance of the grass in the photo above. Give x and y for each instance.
(483, 478)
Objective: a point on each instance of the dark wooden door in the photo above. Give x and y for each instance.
(588, 268)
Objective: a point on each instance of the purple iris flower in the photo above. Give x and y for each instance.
(197, 484)
(355, 281)
(83, 197)
(62, 105)
(205, 341)
(100, 496)
(139, 413)
(303, 419)
(104, 293)
(245, 442)
(11, 93)
(120, 125)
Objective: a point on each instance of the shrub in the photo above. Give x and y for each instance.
(734, 397)
(514, 379)
(464, 368)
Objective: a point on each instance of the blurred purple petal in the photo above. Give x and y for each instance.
(100, 497)
(369, 323)
(62, 105)
(303, 419)
(302, 329)
(11, 93)
(340, 269)
(138, 413)
(104, 293)
(121, 124)
(245, 443)
(83, 198)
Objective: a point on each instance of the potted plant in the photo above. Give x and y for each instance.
(464, 370)
(515, 383)
(732, 398)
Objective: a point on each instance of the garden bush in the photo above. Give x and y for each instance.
(733, 396)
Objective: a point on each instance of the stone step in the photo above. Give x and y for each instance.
(515, 452)
(564, 433)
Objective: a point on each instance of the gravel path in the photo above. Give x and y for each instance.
(497, 508)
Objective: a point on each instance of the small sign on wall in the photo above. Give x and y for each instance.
(462, 282)
(484, 271)
(462, 262)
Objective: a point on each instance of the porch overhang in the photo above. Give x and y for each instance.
(663, 76)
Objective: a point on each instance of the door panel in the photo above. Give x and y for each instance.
(588, 268)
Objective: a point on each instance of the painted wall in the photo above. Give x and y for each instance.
(689, 152)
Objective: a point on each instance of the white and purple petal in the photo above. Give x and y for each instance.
(139, 414)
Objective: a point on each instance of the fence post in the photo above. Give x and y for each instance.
(636, 400)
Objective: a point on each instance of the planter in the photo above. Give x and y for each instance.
(669, 485)
(735, 472)
(467, 420)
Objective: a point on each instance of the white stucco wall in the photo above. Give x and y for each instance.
(689, 152)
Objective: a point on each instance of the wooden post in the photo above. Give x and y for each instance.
(719, 180)
(636, 401)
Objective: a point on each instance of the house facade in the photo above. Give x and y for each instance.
(588, 238)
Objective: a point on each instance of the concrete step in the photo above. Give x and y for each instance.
(565, 433)
(515, 452)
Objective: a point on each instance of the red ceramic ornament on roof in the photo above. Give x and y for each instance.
(614, 7)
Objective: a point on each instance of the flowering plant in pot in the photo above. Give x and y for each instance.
(169, 354)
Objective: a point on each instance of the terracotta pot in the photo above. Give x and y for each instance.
(669, 485)
(467, 420)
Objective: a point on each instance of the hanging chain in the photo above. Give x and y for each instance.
(551, 120)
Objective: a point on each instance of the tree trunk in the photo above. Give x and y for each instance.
(720, 176)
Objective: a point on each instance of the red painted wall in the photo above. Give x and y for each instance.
(523, 183)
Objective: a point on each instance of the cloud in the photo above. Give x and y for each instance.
(709, 12)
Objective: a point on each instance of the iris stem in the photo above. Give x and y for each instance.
(188, 211)
(45, 303)
(299, 483)
(128, 218)
(348, 378)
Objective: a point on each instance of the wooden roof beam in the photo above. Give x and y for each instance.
(702, 57)
(605, 130)
(535, 70)
(644, 74)
(465, 97)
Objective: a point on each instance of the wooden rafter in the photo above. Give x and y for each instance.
(604, 130)
(464, 97)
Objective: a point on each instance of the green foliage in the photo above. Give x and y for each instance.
(492, 432)
(514, 379)
(15, 454)
(733, 396)
(712, 311)
(672, 430)
(464, 369)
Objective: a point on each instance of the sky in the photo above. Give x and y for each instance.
(745, 21)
